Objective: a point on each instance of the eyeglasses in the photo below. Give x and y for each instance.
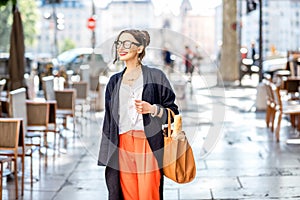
(126, 44)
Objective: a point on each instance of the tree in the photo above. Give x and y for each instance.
(5, 26)
(67, 45)
(29, 14)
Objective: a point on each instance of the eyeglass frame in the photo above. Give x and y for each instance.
(122, 43)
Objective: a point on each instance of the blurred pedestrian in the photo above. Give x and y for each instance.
(135, 109)
(253, 52)
(189, 68)
(197, 57)
(168, 62)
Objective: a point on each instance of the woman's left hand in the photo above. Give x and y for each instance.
(143, 107)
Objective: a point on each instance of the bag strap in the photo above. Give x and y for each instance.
(170, 114)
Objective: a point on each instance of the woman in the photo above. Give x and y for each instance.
(135, 109)
(189, 68)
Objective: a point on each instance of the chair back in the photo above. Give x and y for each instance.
(37, 113)
(81, 89)
(270, 95)
(2, 84)
(65, 99)
(48, 87)
(277, 96)
(94, 81)
(9, 134)
(292, 85)
(12, 137)
(292, 68)
(17, 105)
(85, 73)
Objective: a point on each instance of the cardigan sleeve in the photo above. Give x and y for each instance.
(104, 146)
(167, 97)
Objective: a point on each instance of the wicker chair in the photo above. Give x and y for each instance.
(3, 159)
(81, 100)
(66, 105)
(48, 87)
(271, 110)
(2, 85)
(282, 108)
(11, 132)
(94, 93)
(37, 119)
(18, 109)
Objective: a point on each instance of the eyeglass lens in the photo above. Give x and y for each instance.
(126, 44)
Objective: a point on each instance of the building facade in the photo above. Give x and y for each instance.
(73, 26)
(281, 27)
(167, 27)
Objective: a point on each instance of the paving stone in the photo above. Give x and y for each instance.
(70, 192)
(271, 182)
(257, 193)
(39, 194)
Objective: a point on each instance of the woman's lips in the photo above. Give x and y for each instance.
(123, 53)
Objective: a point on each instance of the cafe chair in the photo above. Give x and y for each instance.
(290, 108)
(52, 124)
(81, 100)
(10, 134)
(3, 159)
(65, 100)
(3, 99)
(270, 109)
(94, 93)
(48, 87)
(37, 119)
(2, 85)
(18, 109)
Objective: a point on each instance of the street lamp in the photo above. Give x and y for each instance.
(92, 24)
(58, 23)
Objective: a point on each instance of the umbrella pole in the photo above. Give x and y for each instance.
(14, 5)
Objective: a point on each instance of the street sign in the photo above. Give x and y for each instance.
(91, 24)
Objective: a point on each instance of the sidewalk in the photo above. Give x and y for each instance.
(237, 156)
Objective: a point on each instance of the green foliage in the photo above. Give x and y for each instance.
(29, 15)
(3, 2)
(5, 26)
(67, 45)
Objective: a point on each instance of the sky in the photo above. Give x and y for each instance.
(173, 5)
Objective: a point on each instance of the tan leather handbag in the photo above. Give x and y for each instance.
(178, 161)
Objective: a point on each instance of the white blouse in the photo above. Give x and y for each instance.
(129, 119)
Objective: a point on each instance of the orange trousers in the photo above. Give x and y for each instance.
(139, 172)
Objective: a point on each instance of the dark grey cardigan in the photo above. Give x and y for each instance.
(157, 90)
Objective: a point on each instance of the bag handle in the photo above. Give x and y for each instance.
(170, 114)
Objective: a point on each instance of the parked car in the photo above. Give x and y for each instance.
(274, 65)
(74, 58)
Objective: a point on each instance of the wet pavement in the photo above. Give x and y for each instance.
(237, 157)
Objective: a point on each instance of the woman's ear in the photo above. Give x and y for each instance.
(140, 49)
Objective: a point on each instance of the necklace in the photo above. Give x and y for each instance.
(132, 75)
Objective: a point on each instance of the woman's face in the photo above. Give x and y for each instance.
(128, 47)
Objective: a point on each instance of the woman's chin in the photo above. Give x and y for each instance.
(122, 59)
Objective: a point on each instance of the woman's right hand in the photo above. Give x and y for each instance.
(143, 107)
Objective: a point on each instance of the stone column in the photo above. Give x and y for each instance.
(229, 66)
